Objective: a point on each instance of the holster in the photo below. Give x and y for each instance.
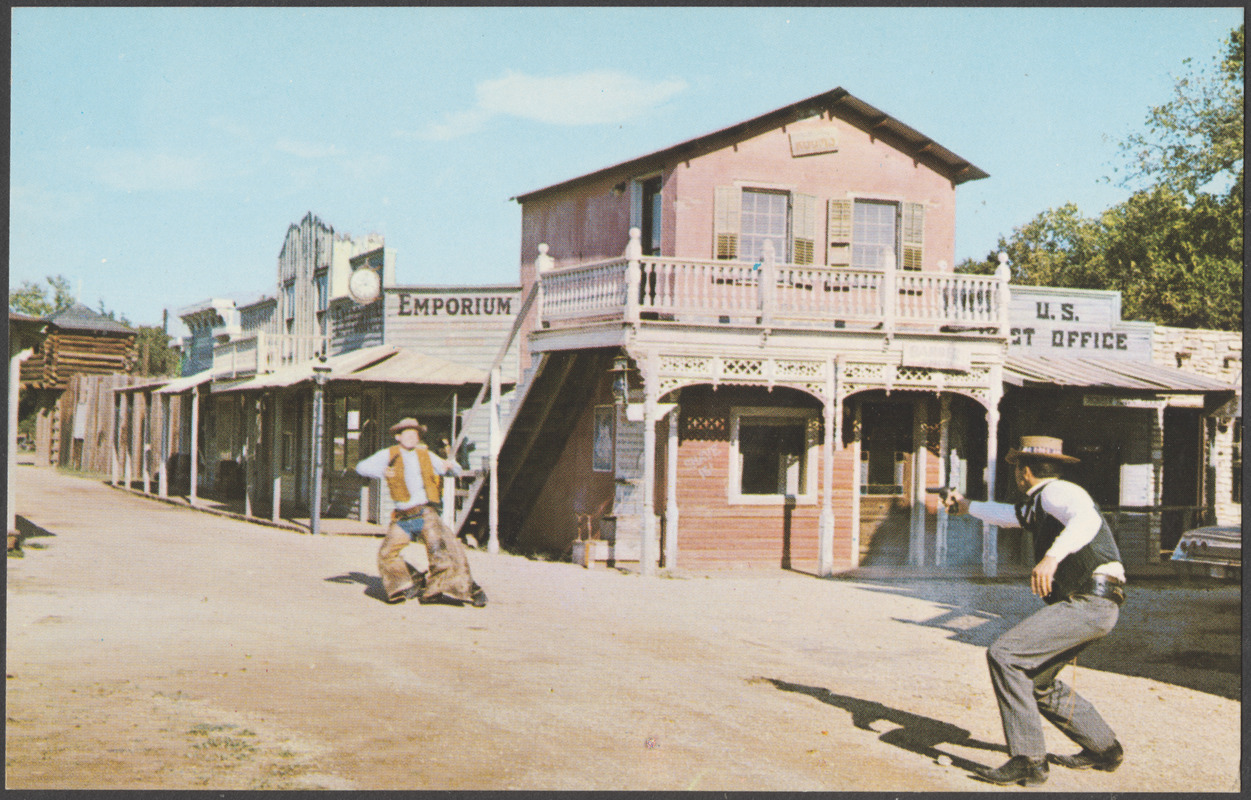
(1103, 586)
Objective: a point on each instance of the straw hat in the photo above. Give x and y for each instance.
(1040, 447)
(407, 423)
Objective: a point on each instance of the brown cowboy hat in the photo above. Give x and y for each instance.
(407, 423)
(1040, 447)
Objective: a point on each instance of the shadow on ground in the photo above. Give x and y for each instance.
(373, 583)
(27, 530)
(1184, 633)
(915, 733)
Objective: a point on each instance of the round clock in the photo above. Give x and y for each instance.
(363, 286)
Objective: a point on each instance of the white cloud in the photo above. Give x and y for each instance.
(588, 98)
(136, 171)
(591, 98)
(305, 149)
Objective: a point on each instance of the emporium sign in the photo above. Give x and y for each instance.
(452, 305)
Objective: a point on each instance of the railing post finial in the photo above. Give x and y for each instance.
(543, 262)
(634, 247)
(1004, 275)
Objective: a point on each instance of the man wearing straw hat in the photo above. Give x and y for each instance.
(412, 477)
(1080, 576)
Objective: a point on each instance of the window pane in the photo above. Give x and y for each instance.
(764, 218)
(774, 457)
(874, 233)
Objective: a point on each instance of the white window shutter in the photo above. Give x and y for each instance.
(913, 235)
(838, 232)
(727, 214)
(803, 228)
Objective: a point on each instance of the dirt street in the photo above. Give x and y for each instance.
(155, 647)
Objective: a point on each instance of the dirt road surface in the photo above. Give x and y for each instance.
(155, 647)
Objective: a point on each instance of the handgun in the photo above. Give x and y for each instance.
(941, 491)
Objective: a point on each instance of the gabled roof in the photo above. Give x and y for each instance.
(79, 317)
(838, 102)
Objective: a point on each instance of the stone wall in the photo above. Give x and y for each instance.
(1213, 354)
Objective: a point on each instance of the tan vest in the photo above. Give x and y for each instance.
(395, 476)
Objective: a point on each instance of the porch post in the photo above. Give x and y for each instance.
(195, 444)
(825, 536)
(144, 466)
(15, 382)
(944, 465)
(990, 533)
(162, 472)
(857, 428)
(128, 442)
(671, 492)
(494, 444)
(117, 439)
(647, 549)
(249, 430)
(275, 456)
(916, 515)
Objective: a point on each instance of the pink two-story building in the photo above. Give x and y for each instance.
(751, 349)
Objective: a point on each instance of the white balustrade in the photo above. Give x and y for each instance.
(703, 292)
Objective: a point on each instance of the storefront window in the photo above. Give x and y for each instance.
(346, 427)
(775, 450)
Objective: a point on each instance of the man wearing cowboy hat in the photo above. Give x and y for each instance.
(1080, 576)
(412, 477)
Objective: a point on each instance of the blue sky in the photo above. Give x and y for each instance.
(159, 155)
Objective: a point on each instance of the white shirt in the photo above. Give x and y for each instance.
(1068, 503)
(376, 467)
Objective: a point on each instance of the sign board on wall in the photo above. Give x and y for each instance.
(811, 141)
(936, 355)
(410, 304)
(1074, 322)
(1137, 482)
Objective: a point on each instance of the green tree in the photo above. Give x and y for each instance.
(156, 358)
(32, 298)
(1174, 247)
(1196, 139)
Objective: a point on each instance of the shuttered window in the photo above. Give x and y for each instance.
(744, 219)
(913, 235)
(875, 233)
(838, 232)
(726, 222)
(803, 229)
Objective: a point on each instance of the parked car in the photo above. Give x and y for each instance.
(1213, 550)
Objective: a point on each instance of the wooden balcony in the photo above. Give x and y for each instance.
(635, 288)
(262, 352)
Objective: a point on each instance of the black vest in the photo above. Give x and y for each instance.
(1076, 568)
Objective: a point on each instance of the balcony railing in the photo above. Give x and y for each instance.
(636, 287)
(264, 352)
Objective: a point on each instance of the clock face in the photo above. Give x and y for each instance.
(364, 286)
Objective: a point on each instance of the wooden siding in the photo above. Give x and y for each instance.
(66, 353)
(572, 488)
(471, 333)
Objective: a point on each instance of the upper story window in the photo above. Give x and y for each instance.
(745, 218)
(862, 232)
(288, 300)
(649, 220)
(322, 282)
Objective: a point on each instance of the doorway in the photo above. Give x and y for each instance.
(886, 463)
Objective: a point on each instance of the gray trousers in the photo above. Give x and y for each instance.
(1024, 662)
